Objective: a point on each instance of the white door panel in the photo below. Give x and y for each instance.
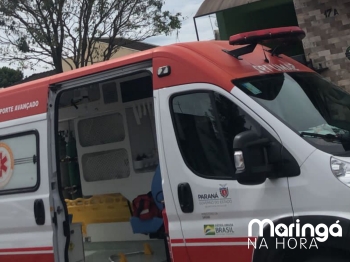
(19, 232)
(243, 203)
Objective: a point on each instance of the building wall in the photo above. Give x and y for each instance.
(327, 26)
(123, 51)
(256, 16)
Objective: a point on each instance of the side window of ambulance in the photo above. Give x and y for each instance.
(19, 168)
(205, 126)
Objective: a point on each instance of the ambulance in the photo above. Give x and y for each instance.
(192, 152)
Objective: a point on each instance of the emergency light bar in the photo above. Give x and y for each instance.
(266, 35)
(282, 35)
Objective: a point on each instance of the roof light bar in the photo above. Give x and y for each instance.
(284, 36)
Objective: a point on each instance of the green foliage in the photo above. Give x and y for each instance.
(9, 76)
(48, 31)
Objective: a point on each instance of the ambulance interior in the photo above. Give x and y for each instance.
(108, 156)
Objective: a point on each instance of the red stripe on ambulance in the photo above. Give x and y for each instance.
(23, 103)
(29, 249)
(219, 240)
(213, 253)
(28, 258)
(212, 249)
(32, 254)
(213, 240)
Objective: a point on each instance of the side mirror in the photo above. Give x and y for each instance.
(250, 158)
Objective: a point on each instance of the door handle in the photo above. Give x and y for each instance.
(39, 212)
(185, 197)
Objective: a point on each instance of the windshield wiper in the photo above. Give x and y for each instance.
(327, 136)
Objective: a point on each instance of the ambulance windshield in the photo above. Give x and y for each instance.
(311, 106)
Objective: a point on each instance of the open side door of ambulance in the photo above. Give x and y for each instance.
(137, 182)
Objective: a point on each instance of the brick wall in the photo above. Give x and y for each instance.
(327, 27)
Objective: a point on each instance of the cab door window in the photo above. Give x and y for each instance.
(205, 125)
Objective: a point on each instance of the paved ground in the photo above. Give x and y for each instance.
(108, 251)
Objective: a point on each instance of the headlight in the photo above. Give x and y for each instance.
(341, 170)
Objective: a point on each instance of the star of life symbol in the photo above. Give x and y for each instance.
(3, 164)
(6, 164)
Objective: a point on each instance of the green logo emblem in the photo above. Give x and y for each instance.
(209, 230)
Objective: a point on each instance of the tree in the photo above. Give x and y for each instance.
(52, 31)
(9, 76)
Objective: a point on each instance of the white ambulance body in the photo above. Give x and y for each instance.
(220, 135)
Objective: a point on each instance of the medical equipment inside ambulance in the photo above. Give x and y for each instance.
(109, 162)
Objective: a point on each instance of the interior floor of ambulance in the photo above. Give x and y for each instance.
(107, 158)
